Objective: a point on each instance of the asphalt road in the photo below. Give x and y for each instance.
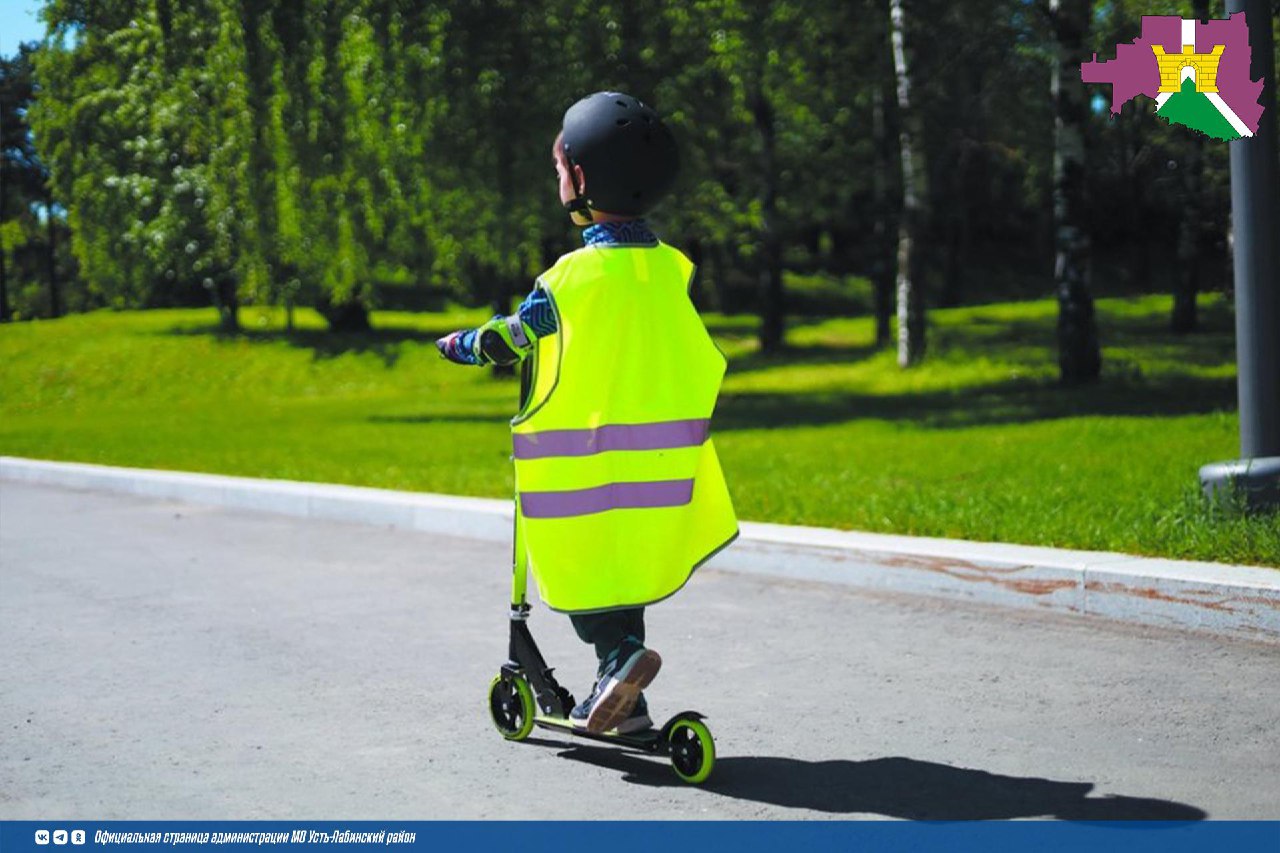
(166, 661)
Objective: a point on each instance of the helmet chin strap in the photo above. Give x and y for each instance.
(579, 204)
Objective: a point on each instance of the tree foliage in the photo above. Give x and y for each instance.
(347, 154)
(33, 261)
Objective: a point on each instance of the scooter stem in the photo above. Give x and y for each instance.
(519, 569)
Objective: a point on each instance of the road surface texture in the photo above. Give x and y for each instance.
(172, 661)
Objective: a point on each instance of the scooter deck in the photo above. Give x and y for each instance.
(648, 740)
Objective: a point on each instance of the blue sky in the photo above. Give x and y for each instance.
(18, 24)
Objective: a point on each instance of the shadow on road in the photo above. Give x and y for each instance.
(895, 787)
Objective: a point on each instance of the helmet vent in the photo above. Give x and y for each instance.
(621, 103)
(623, 122)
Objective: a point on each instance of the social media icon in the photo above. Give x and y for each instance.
(59, 836)
(77, 836)
(42, 836)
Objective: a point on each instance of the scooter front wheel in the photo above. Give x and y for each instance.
(511, 706)
(693, 751)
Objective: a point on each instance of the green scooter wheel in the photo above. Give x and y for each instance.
(693, 752)
(511, 706)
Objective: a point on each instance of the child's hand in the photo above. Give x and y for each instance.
(452, 347)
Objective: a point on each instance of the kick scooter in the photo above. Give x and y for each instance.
(525, 694)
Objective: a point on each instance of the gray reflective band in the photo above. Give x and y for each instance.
(518, 337)
(586, 442)
(660, 493)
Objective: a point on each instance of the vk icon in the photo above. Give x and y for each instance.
(59, 836)
(42, 836)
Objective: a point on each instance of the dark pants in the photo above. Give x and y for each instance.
(606, 631)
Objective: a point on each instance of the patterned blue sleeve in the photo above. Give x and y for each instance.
(537, 313)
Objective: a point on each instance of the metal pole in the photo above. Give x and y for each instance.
(1256, 227)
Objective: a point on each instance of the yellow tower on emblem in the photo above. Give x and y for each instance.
(1205, 66)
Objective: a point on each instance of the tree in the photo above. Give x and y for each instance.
(343, 154)
(884, 252)
(1190, 235)
(24, 179)
(1079, 357)
(915, 212)
(127, 121)
(769, 99)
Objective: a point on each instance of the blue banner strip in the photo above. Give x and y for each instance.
(667, 837)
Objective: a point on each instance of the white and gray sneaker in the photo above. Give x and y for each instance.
(616, 700)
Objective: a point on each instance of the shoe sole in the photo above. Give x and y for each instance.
(631, 726)
(628, 726)
(619, 697)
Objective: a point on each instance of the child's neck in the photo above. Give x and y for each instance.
(598, 216)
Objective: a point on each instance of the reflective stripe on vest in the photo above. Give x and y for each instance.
(651, 494)
(584, 442)
(619, 491)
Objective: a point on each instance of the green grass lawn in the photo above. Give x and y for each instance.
(977, 443)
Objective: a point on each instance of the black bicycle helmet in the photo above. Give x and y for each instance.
(627, 154)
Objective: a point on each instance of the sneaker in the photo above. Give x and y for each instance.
(578, 716)
(626, 672)
(638, 721)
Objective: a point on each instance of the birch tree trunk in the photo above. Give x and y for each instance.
(1079, 358)
(914, 217)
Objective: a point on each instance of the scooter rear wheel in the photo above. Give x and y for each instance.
(693, 751)
(511, 706)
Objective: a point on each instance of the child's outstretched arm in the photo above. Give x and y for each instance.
(503, 340)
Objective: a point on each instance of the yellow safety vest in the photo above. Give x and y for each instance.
(619, 494)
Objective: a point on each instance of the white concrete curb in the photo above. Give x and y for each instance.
(1240, 601)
